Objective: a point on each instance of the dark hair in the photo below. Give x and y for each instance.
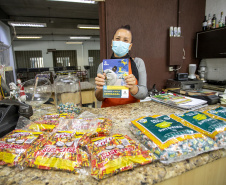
(115, 67)
(125, 27)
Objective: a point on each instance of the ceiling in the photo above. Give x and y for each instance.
(62, 18)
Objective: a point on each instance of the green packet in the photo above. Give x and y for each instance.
(170, 140)
(218, 113)
(214, 128)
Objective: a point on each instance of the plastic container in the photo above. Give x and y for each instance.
(68, 94)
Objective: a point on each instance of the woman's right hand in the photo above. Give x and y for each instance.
(100, 80)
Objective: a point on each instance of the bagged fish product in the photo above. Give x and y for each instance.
(214, 128)
(15, 146)
(112, 155)
(97, 126)
(60, 152)
(170, 140)
(218, 113)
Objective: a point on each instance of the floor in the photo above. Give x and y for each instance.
(92, 81)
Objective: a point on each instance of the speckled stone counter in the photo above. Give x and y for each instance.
(148, 174)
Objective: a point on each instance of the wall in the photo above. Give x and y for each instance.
(5, 37)
(150, 21)
(82, 49)
(216, 7)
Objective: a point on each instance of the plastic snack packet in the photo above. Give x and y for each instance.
(15, 146)
(170, 140)
(112, 155)
(63, 115)
(60, 152)
(45, 125)
(214, 128)
(97, 126)
(218, 113)
(51, 116)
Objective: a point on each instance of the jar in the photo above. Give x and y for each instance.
(68, 94)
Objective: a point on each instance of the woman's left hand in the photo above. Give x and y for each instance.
(130, 81)
(131, 84)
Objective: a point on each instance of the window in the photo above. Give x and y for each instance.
(63, 61)
(4, 55)
(29, 59)
(36, 62)
(64, 58)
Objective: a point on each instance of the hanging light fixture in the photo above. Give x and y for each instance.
(28, 37)
(85, 26)
(27, 24)
(74, 42)
(80, 37)
(77, 1)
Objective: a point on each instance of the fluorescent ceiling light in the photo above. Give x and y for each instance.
(77, 1)
(81, 38)
(27, 24)
(84, 26)
(73, 42)
(29, 37)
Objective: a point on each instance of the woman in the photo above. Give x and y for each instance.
(136, 81)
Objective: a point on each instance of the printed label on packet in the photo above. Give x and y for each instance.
(11, 140)
(30, 140)
(62, 135)
(125, 142)
(105, 155)
(10, 146)
(103, 141)
(20, 134)
(20, 141)
(60, 150)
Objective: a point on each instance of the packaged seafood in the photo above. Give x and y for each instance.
(169, 139)
(203, 123)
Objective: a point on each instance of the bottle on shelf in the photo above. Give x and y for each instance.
(214, 21)
(225, 21)
(204, 24)
(221, 21)
(209, 23)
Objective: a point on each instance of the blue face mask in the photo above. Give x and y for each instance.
(120, 48)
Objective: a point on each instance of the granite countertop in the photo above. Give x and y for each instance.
(148, 174)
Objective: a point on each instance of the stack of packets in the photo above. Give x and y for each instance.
(115, 154)
(214, 128)
(60, 152)
(180, 102)
(15, 146)
(170, 140)
(170, 98)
